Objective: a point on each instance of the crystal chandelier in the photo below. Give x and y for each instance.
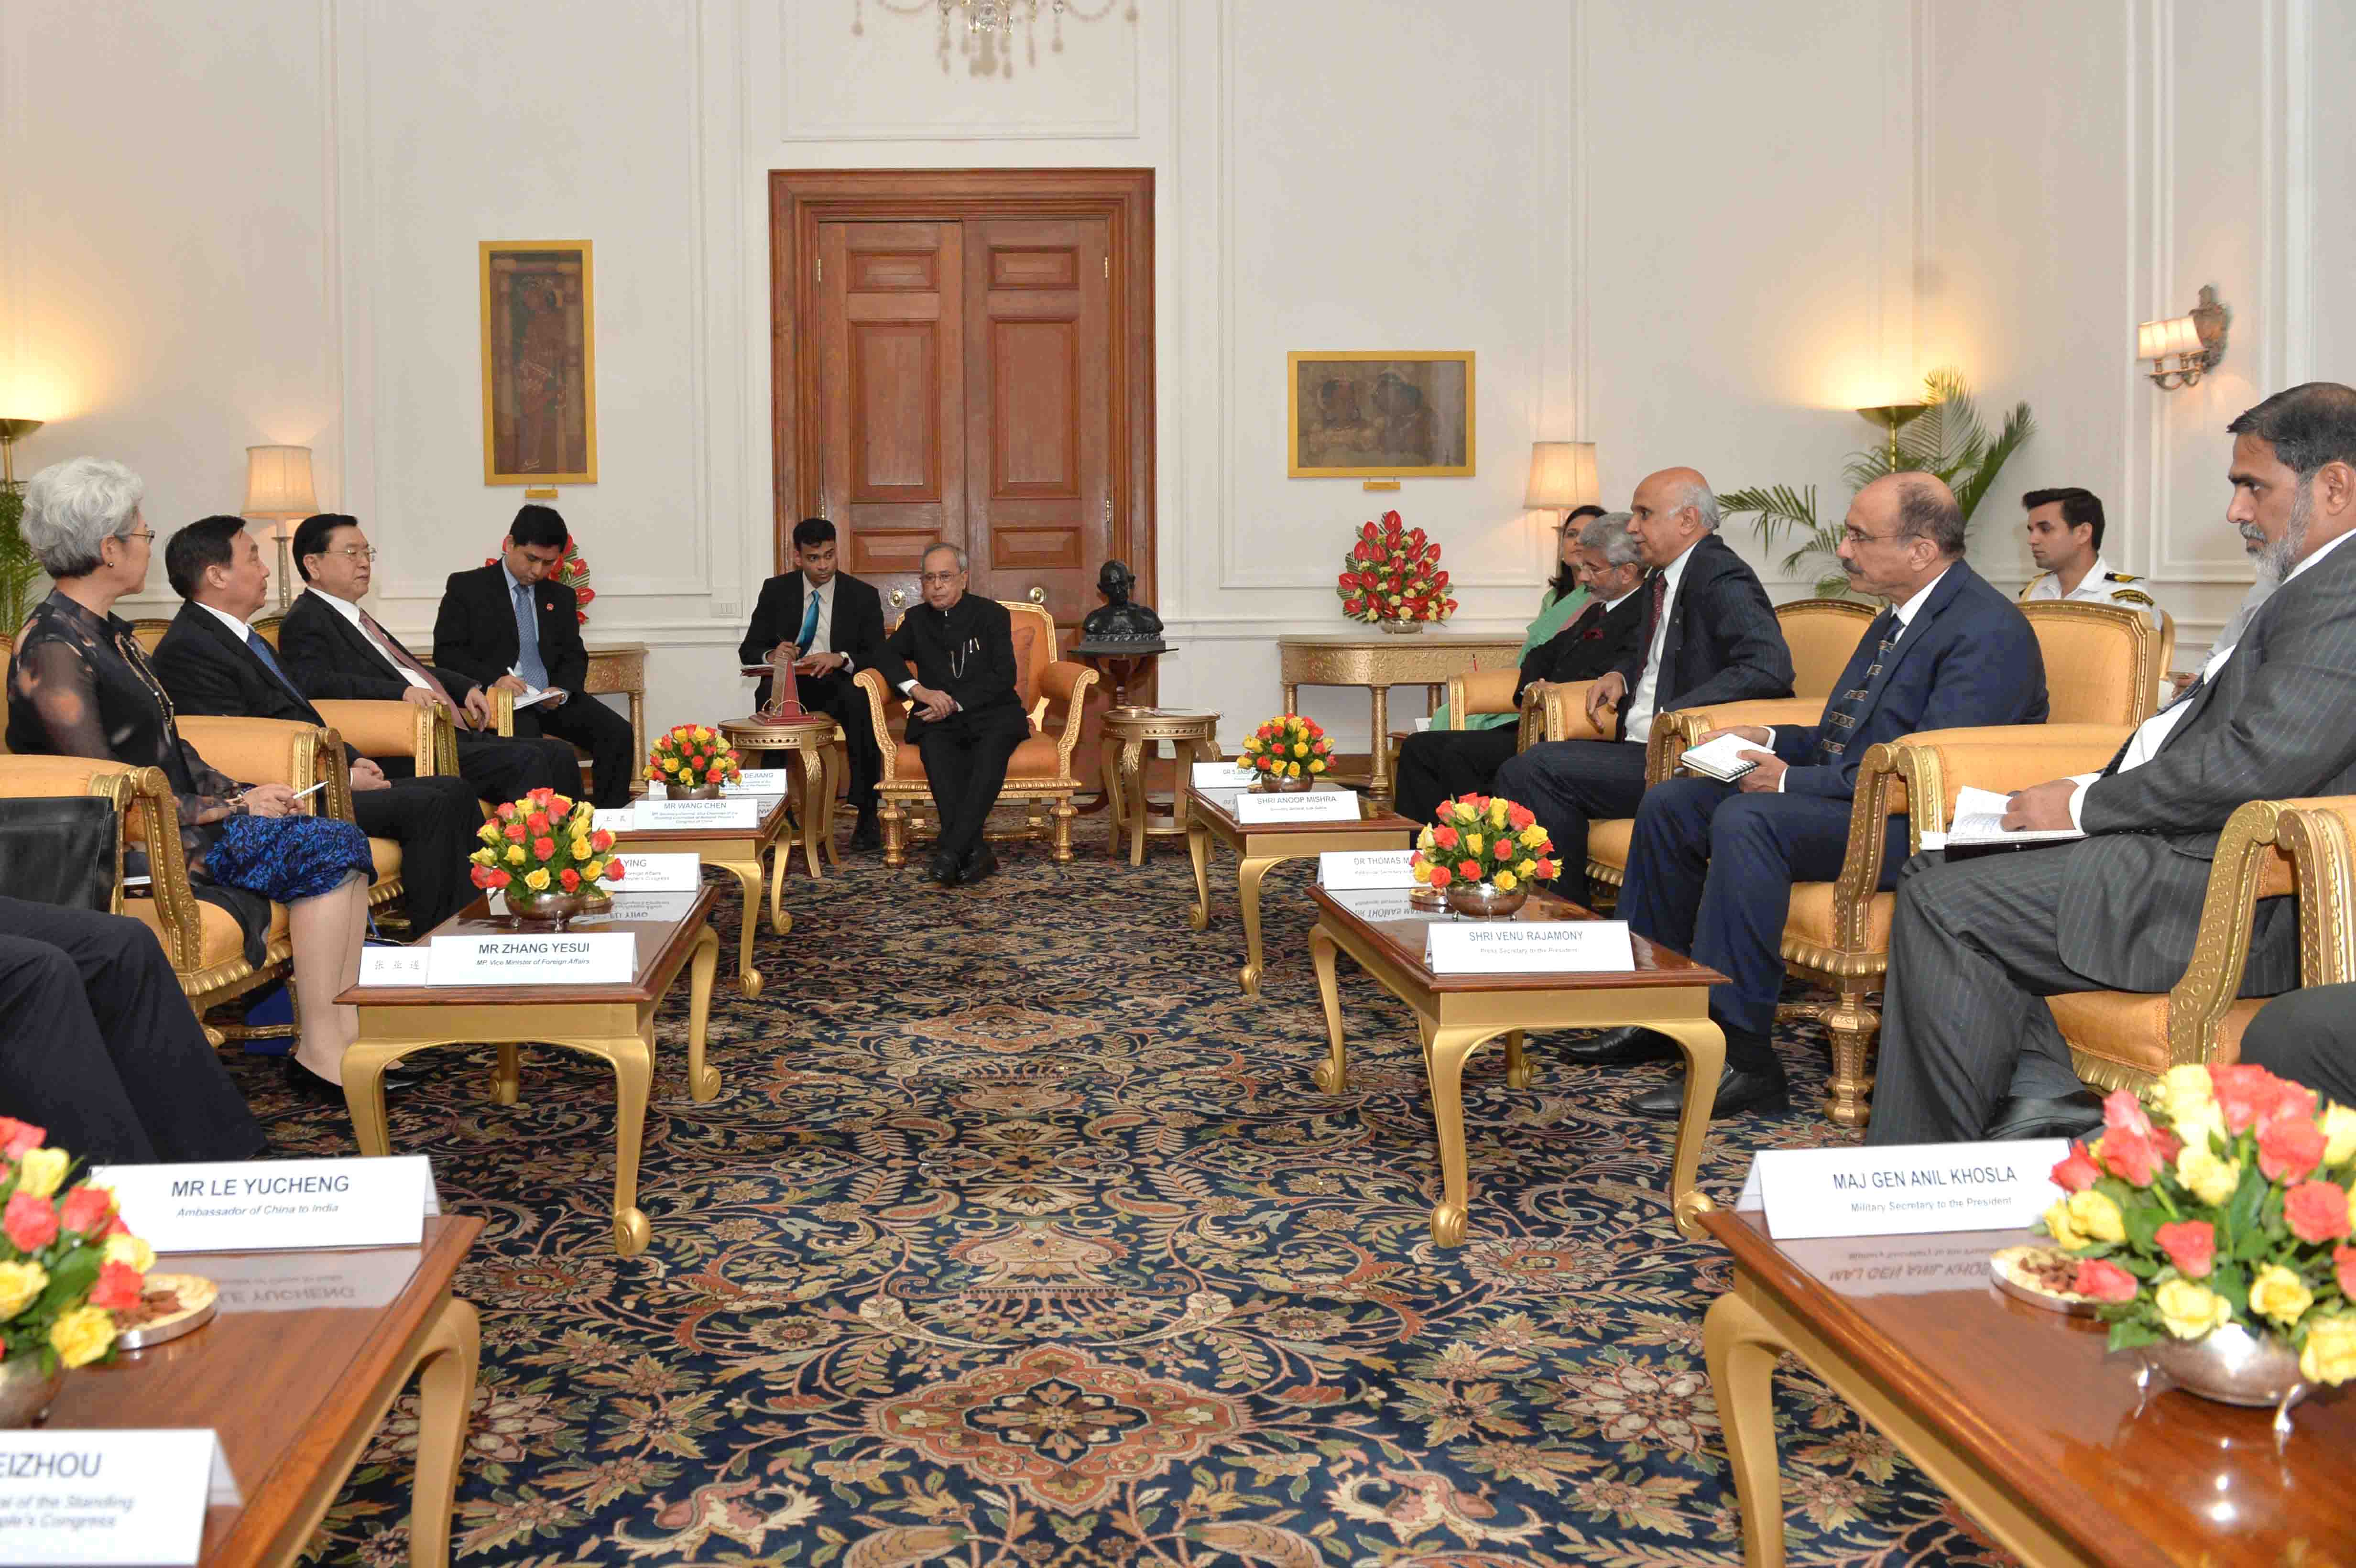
(988, 37)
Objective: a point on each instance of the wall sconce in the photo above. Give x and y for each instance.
(278, 488)
(1562, 476)
(2182, 347)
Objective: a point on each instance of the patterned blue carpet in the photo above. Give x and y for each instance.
(1018, 1236)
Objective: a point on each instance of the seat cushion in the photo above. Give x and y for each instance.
(223, 940)
(1027, 660)
(386, 853)
(1037, 758)
(1607, 842)
(2129, 1029)
(1810, 920)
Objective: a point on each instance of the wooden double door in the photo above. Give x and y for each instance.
(965, 357)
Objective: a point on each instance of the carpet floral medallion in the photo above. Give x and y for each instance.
(1018, 1237)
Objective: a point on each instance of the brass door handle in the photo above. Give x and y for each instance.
(1038, 595)
(899, 598)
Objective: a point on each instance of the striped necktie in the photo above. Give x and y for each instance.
(1841, 719)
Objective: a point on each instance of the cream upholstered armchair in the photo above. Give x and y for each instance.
(1492, 691)
(1040, 772)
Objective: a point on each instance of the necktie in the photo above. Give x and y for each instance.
(1657, 598)
(261, 647)
(528, 660)
(1841, 719)
(400, 656)
(809, 623)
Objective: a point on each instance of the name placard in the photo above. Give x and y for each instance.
(1340, 870)
(393, 966)
(618, 819)
(640, 905)
(1221, 776)
(533, 959)
(1528, 947)
(267, 1205)
(661, 873)
(1907, 1189)
(109, 1497)
(759, 781)
(727, 812)
(1300, 806)
(1899, 1265)
(1385, 904)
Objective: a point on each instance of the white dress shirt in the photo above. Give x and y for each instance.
(1905, 616)
(237, 628)
(2098, 587)
(822, 640)
(2154, 731)
(351, 611)
(1639, 726)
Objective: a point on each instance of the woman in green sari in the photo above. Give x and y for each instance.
(1564, 598)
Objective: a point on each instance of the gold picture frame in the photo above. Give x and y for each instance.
(1379, 414)
(540, 363)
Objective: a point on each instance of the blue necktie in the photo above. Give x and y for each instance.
(809, 623)
(527, 663)
(261, 647)
(1841, 719)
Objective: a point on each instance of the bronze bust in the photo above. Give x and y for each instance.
(1120, 625)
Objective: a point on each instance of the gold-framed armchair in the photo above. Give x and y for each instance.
(1040, 772)
(276, 751)
(1483, 691)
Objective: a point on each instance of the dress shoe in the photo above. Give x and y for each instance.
(2071, 1117)
(981, 863)
(1613, 1045)
(943, 869)
(1737, 1091)
(310, 1086)
(869, 834)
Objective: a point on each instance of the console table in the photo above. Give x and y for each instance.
(1380, 660)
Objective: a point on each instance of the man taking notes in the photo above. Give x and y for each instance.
(1969, 1049)
(1711, 865)
(1710, 636)
(964, 713)
(513, 626)
(828, 625)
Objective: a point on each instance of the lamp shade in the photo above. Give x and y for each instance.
(278, 483)
(2165, 340)
(1562, 475)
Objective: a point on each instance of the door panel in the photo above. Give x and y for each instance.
(891, 394)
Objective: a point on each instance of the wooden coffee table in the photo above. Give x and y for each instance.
(614, 1023)
(748, 854)
(1458, 1014)
(1211, 814)
(2018, 1413)
(296, 1395)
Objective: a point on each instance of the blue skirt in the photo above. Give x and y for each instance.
(288, 857)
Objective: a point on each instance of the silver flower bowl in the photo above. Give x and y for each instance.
(25, 1391)
(2230, 1365)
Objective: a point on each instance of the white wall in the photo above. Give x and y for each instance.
(1687, 231)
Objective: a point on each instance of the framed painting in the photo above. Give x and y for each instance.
(540, 364)
(1378, 414)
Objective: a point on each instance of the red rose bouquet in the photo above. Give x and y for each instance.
(67, 1264)
(1483, 839)
(1392, 573)
(2224, 1200)
(691, 757)
(547, 843)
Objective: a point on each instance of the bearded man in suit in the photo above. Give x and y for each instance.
(513, 627)
(1969, 1049)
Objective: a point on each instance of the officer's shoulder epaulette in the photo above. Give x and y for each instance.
(2030, 587)
(2121, 577)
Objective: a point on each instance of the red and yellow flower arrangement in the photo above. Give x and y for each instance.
(1288, 750)
(67, 1263)
(1483, 839)
(548, 844)
(2223, 1201)
(691, 756)
(1392, 573)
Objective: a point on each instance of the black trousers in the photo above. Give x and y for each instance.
(502, 770)
(965, 764)
(99, 1045)
(1569, 784)
(2308, 1037)
(1439, 764)
(596, 729)
(433, 819)
(836, 696)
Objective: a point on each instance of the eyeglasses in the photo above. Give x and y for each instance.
(147, 533)
(1855, 537)
(942, 577)
(357, 551)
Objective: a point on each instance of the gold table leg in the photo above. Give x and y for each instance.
(749, 875)
(1333, 1074)
(1379, 761)
(507, 1077)
(1198, 850)
(702, 1079)
(1742, 1348)
(446, 1388)
(1445, 1052)
(1108, 792)
(1248, 873)
(1518, 1065)
(781, 860)
(1704, 1044)
(1132, 793)
(815, 798)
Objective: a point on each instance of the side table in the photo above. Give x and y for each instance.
(1191, 737)
(1380, 660)
(817, 741)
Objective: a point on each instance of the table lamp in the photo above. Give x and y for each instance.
(278, 488)
(1562, 476)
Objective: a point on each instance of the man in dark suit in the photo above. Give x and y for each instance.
(1969, 1047)
(965, 712)
(511, 627)
(334, 648)
(1439, 764)
(211, 662)
(1710, 636)
(828, 625)
(1710, 866)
